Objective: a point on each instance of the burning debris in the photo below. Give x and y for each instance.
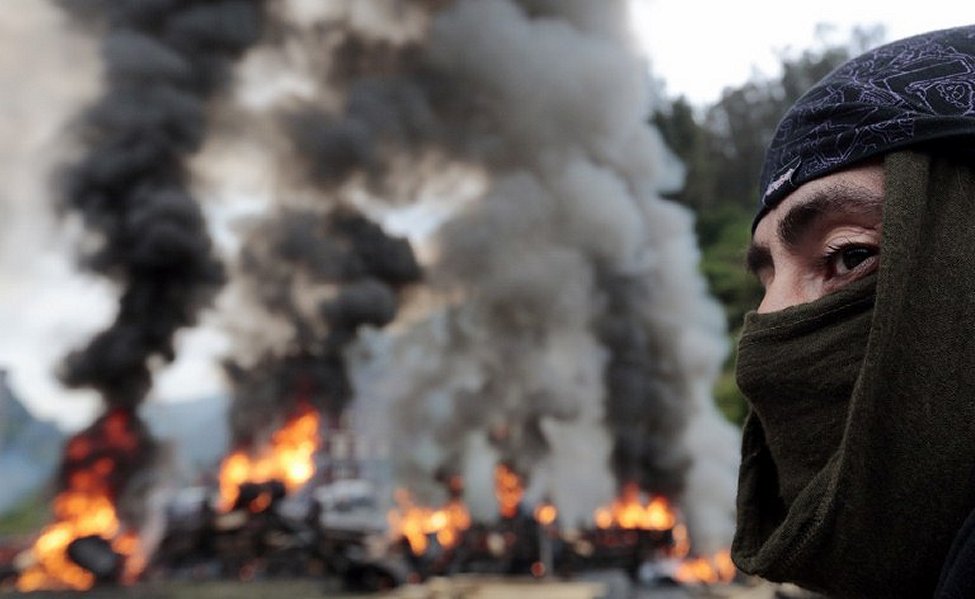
(88, 541)
(274, 516)
(285, 464)
(630, 512)
(509, 490)
(551, 334)
(643, 536)
(416, 524)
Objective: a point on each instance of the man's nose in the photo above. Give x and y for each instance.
(781, 293)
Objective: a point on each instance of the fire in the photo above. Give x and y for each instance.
(86, 508)
(707, 570)
(682, 541)
(508, 490)
(632, 511)
(700, 570)
(416, 523)
(289, 458)
(546, 513)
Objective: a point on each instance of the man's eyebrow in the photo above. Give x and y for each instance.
(842, 199)
(839, 199)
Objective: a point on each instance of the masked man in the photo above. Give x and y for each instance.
(858, 459)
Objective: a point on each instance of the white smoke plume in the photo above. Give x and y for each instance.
(47, 71)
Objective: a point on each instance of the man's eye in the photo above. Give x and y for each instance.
(846, 259)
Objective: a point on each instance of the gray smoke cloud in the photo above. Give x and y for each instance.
(577, 174)
(326, 276)
(562, 326)
(316, 269)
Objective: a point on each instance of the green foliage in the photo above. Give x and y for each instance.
(28, 517)
(724, 234)
(729, 399)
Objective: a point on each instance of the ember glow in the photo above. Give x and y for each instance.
(633, 510)
(546, 513)
(85, 508)
(416, 523)
(707, 570)
(508, 490)
(288, 458)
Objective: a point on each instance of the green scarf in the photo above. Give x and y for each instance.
(861, 493)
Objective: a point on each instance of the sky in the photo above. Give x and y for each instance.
(696, 47)
(699, 47)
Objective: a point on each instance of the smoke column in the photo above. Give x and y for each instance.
(562, 326)
(315, 269)
(326, 275)
(163, 61)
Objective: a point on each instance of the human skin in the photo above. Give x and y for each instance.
(820, 238)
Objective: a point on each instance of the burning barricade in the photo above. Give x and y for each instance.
(273, 515)
(537, 302)
(287, 460)
(88, 542)
(639, 534)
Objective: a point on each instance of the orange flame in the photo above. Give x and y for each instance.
(682, 541)
(416, 523)
(546, 513)
(707, 570)
(85, 508)
(289, 458)
(631, 511)
(508, 490)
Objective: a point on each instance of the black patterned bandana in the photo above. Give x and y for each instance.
(908, 92)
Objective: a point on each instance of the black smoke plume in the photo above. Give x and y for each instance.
(327, 275)
(318, 263)
(646, 418)
(164, 60)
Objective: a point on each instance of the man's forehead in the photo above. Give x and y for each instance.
(856, 192)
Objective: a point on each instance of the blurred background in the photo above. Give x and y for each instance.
(464, 233)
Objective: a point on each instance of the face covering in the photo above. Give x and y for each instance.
(798, 367)
(858, 455)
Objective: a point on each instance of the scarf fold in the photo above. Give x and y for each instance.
(798, 368)
(876, 519)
